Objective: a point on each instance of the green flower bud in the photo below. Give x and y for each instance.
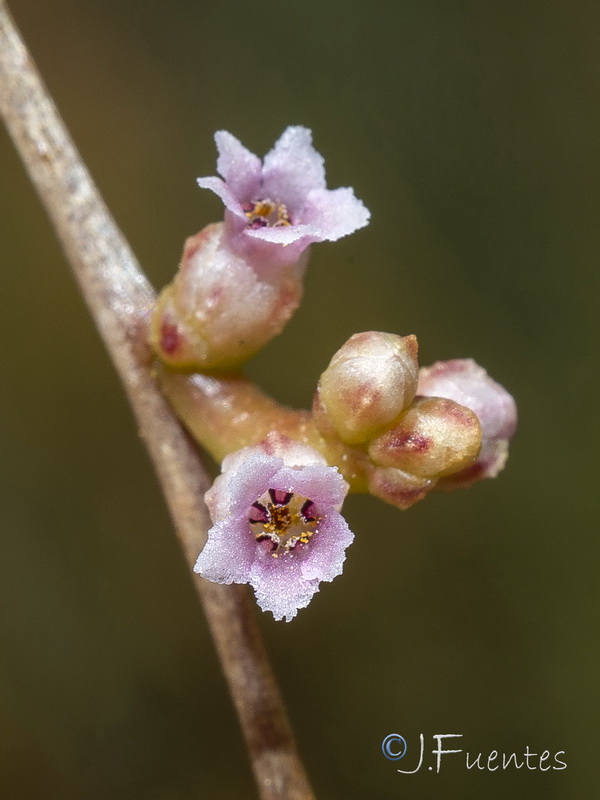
(368, 382)
(434, 437)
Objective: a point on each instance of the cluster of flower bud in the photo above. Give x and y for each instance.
(371, 396)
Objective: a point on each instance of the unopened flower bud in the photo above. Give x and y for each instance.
(219, 311)
(465, 382)
(434, 437)
(368, 382)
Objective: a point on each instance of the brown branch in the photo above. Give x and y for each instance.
(119, 295)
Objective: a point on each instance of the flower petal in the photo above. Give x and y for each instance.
(229, 552)
(247, 474)
(251, 478)
(287, 234)
(292, 168)
(334, 213)
(280, 586)
(323, 485)
(327, 553)
(223, 190)
(240, 168)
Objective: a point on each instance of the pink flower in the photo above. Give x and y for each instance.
(277, 526)
(276, 208)
(465, 382)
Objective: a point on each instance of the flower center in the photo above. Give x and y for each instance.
(266, 213)
(283, 520)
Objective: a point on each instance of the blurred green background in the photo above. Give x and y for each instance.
(471, 130)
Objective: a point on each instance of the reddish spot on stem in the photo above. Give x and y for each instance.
(169, 337)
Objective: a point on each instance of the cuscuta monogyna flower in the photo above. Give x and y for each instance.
(277, 525)
(465, 382)
(240, 281)
(277, 207)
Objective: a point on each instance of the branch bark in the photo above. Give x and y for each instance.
(119, 296)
